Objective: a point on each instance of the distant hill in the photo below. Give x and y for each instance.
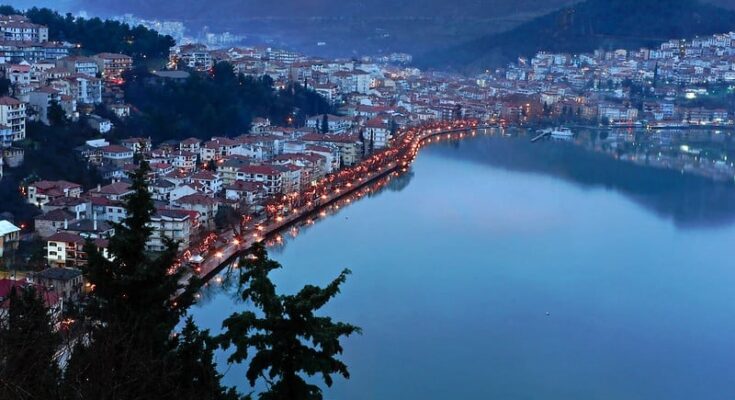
(214, 10)
(587, 26)
(348, 27)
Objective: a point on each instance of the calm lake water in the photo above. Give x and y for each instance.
(456, 265)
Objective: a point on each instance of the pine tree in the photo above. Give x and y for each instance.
(288, 338)
(28, 348)
(136, 304)
(197, 372)
(56, 115)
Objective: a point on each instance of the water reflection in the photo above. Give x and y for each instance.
(227, 281)
(669, 173)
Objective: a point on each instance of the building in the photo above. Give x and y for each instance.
(117, 155)
(66, 249)
(206, 207)
(117, 191)
(194, 56)
(79, 65)
(208, 179)
(13, 115)
(65, 282)
(41, 99)
(335, 123)
(239, 191)
(6, 137)
(18, 28)
(376, 134)
(52, 221)
(269, 176)
(99, 124)
(42, 192)
(168, 224)
(112, 65)
(9, 237)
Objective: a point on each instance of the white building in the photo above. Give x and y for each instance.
(13, 115)
(169, 224)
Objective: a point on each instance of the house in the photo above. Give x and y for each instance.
(90, 228)
(376, 134)
(19, 74)
(161, 189)
(13, 115)
(65, 282)
(269, 176)
(99, 124)
(112, 65)
(335, 123)
(41, 99)
(121, 111)
(209, 179)
(42, 192)
(350, 146)
(6, 137)
(9, 237)
(115, 191)
(250, 192)
(77, 206)
(191, 145)
(51, 222)
(66, 249)
(107, 210)
(206, 207)
(84, 88)
(79, 65)
(184, 160)
(18, 28)
(137, 144)
(195, 56)
(170, 224)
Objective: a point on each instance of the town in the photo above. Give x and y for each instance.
(212, 187)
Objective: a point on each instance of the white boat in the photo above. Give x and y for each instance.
(562, 133)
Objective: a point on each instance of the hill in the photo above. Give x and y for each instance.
(586, 26)
(226, 10)
(348, 27)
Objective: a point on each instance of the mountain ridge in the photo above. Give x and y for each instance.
(586, 26)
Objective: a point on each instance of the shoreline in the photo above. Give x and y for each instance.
(218, 259)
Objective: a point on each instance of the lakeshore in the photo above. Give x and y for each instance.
(326, 192)
(456, 263)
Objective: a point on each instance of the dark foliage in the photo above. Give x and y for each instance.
(216, 104)
(136, 305)
(96, 35)
(49, 154)
(197, 371)
(287, 337)
(28, 348)
(227, 217)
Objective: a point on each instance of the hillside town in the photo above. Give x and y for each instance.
(198, 184)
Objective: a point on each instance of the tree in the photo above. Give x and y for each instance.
(5, 86)
(288, 338)
(227, 217)
(28, 348)
(198, 376)
(393, 127)
(325, 124)
(56, 115)
(137, 302)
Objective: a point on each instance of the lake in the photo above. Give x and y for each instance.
(500, 269)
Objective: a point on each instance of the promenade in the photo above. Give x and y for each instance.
(327, 191)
